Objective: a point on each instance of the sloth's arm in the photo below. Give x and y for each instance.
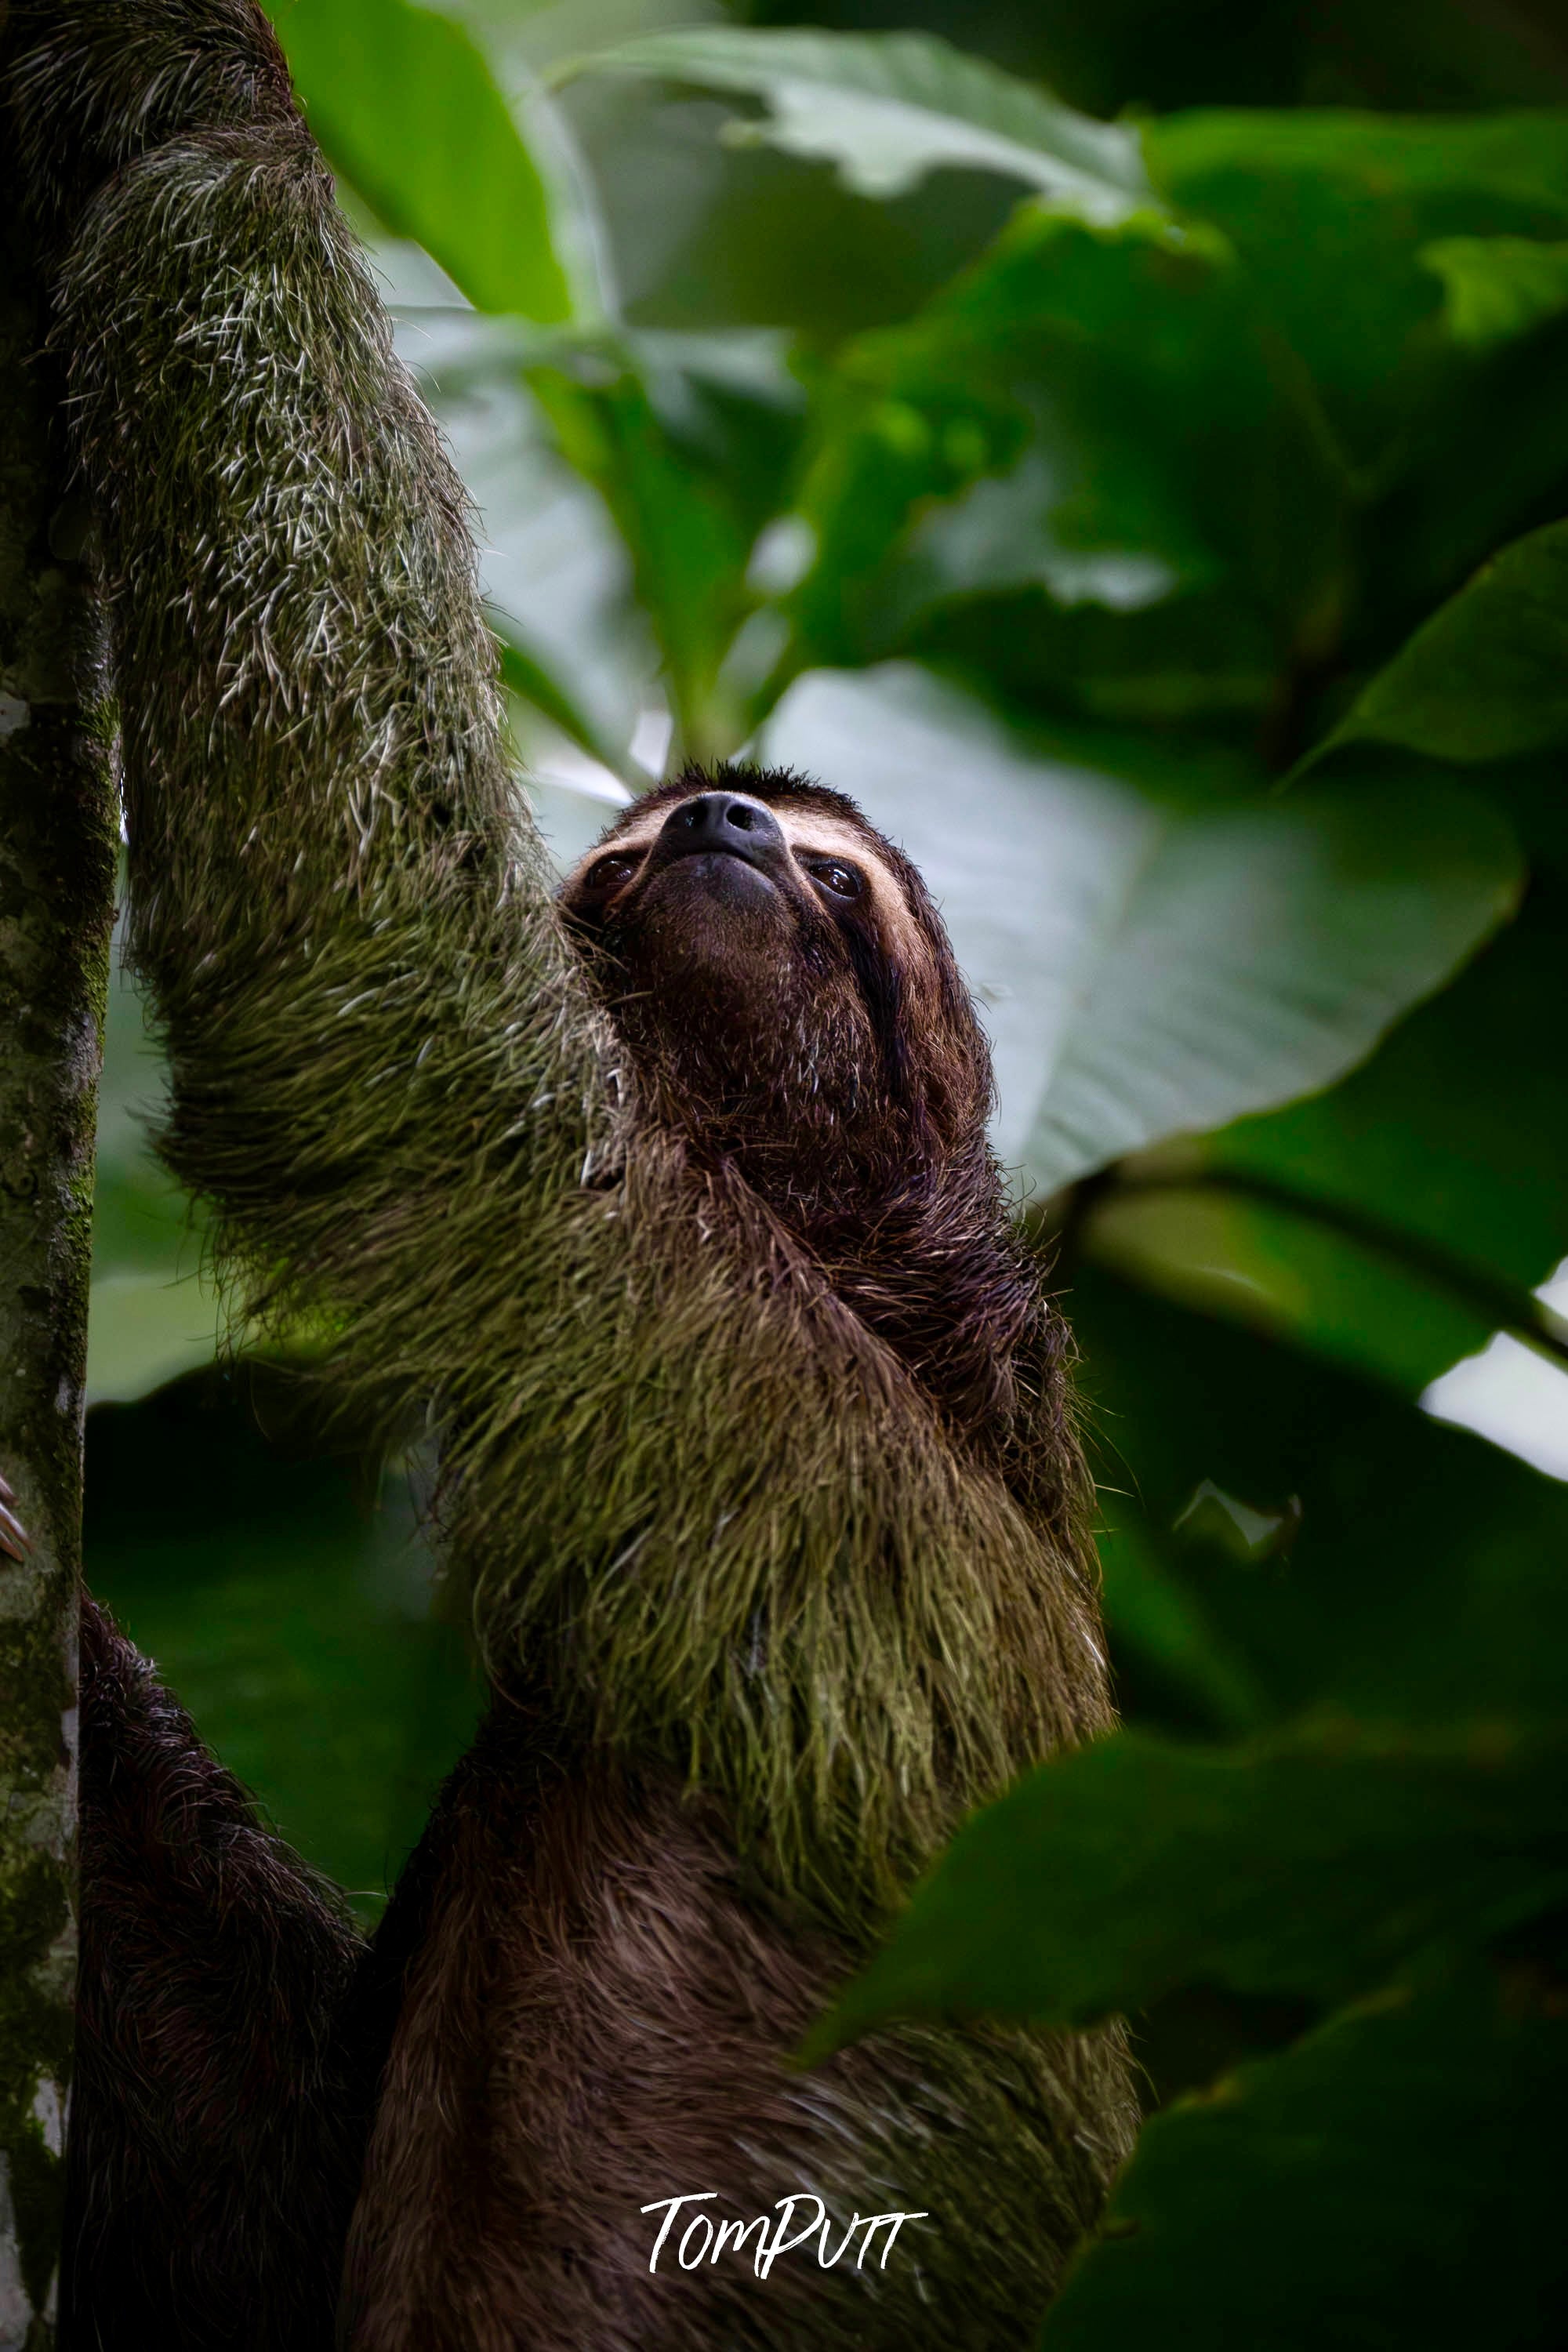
(684, 1481)
(339, 903)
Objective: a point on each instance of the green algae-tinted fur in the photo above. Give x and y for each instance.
(701, 1497)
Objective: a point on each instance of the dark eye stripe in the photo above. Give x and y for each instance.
(613, 868)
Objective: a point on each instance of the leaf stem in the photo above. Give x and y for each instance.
(1494, 1299)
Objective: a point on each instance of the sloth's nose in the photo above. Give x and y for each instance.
(732, 821)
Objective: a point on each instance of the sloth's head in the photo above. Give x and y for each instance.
(783, 978)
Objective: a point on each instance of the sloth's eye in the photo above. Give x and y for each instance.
(844, 881)
(607, 873)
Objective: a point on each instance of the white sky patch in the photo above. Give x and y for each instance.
(1512, 1395)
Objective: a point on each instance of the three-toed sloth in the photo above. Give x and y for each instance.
(671, 1198)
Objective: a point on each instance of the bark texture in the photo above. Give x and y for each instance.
(57, 879)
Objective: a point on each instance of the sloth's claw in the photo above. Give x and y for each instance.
(14, 1540)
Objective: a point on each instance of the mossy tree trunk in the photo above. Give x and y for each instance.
(57, 878)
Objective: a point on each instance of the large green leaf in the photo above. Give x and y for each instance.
(1313, 1862)
(1151, 962)
(405, 105)
(1392, 2180)
(887, 108)
(1488, 675)
(1301, 1268)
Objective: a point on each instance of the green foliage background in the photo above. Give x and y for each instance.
(1128, 447)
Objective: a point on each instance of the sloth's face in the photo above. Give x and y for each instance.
(762, 951)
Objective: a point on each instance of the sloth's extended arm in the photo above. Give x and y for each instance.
(680, 1476)
(338, 901)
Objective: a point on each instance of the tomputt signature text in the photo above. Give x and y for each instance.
(703, 2238)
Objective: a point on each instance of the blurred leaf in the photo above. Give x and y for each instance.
(1153, 965)
(1391, 2182)
(1450, 446)
(523, 675)
(1330, 212)
(1177, 1665)
(404, 103)
(144, 1329)
(889, 108)
(709, 235)
(1515, 158)
(292, 1620)
(1313, 1863)
(1200, 657)
(1096, 411)
(624, 477)
(1495, 288)
(554, 571)
(1286, 1272)
(688, 445)
(1488, 675)
(688, 556)
(1330, 1543)
(1456, 1131)
(1486, 458)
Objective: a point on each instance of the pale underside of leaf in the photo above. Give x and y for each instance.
(1151, 962)
(888, 109)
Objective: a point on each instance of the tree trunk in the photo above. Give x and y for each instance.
(57, 881)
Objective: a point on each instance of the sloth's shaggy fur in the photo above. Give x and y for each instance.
(772, 1500)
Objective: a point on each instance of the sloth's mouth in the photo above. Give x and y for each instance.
(710, 857)
(717, 865)
(725, 877)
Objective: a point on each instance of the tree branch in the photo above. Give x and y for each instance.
(57, 879)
